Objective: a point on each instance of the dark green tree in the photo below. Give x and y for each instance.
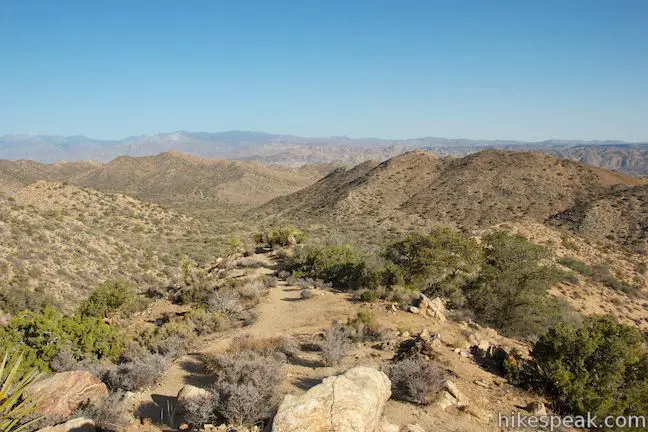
(510, 292)
(601, 367)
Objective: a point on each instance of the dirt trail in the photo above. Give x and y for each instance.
(281, 312)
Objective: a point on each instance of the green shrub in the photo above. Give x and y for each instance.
(439, 262)
(44, 334)
(577, 266)
(16, 299)
(281, 236)
(341, 265)
(109, 298)
(510, 293)
(641, 268)
(601, 367)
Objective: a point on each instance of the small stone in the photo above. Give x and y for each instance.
(481, 383)
(536, 408)
(414, 309)
(425, 335)
(446, 400)
(405, 334)
(455, 392)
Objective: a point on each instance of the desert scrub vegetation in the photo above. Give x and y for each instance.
(510, 291)
(415, 379)
(335, 344)
(438, 262)
(111, 413)
(16, 298)
(600, 368)
(286, 235)
(17, 411)
(110, 298)
(342, 265)
(247, 388)
(43, 335)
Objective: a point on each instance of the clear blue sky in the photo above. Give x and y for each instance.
(523, 69)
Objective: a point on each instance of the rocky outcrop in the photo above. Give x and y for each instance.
(75, 425)
(61, 394)
(432, 308)
(351, 402)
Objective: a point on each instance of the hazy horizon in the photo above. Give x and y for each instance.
(356, 138)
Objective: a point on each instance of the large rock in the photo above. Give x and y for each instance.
(62, 393)
(75, 425)
(189, 393)
(351, 402)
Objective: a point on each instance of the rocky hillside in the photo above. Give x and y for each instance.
(474, 191)
(628, 159)
(178, 180)
(620, 216)
(63, 240)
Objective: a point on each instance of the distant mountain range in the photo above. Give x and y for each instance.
(631, 158)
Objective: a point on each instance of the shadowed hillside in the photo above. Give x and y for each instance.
(620, 217)
(474, 191)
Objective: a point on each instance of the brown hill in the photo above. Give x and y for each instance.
(64, 240)
(182, 181)
(479, 190)
(620, 216)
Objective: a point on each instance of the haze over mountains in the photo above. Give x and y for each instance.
(631, 158)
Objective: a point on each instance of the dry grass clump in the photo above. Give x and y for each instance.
(111, 414)
(247, 386)
(415, 379)
(335, 345)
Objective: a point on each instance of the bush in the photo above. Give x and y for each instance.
(16, 299)
(510, 293)
(577, 266)
(278, 347)
(45, 334)
(364, 327)
(442, 258)
(109, 298)
(335, 345)
(281, 236)
(246, 391)
(204, 322)
(253, 290)
(341, 265)
(601, 273)
(601, 368)
(141, 369)
(415, 379)
(111, 414)
(307, 293)
(226, 301)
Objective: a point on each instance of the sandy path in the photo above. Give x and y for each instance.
(281, 312)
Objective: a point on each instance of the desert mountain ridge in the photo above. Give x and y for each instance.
(418, 188)
(179, 180)
(291, 150)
